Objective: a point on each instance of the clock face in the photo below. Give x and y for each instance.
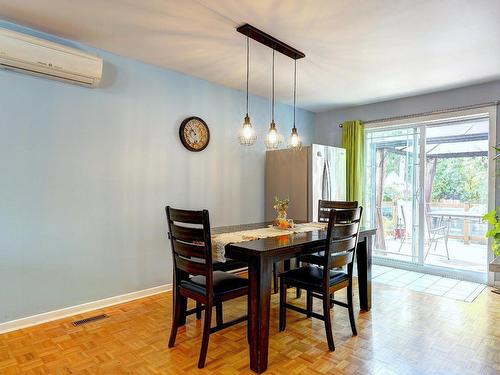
(194, 134)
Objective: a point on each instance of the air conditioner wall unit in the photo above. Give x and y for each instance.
(31, 55)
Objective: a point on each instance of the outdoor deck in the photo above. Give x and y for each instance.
(468, 257)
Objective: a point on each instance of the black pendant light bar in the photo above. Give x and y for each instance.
(270, 41)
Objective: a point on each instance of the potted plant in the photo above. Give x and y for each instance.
(493, 218)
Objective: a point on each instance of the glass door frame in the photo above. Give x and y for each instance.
(420, 194)
(422, 122)
(416, 229)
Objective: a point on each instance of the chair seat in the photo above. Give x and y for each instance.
(311, 277)
(315, 258)
(229, 265)
(223, 283)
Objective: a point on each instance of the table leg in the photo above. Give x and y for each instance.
(364, 263)
(466, 231)
(260, 272)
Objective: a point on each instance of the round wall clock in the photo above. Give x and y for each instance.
(194, 134)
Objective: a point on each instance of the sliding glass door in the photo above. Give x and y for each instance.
(426, 189)
(456, 195)
(392, 192)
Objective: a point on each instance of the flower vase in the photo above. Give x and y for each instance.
(281, 218)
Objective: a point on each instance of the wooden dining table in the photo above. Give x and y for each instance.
(261, 254)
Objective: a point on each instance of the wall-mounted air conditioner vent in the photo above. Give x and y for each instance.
(27, 54)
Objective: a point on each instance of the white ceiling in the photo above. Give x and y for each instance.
(356, 51)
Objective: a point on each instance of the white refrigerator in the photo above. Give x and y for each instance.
(305, 176)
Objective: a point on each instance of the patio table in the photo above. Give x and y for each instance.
(467, 216)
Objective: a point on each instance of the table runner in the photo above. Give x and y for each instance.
(219, 241)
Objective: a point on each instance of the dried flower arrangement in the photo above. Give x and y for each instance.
(281, 206)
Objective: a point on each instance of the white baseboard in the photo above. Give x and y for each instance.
(79, 309)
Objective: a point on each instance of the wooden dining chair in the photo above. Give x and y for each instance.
(194, 277)
(324, 208)
(322, 281)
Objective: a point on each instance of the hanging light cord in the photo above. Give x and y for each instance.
(294, 90)
(247, 70)
(273, 89)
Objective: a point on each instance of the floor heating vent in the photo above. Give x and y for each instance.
(89, 320)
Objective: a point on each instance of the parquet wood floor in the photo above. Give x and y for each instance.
(405, 333)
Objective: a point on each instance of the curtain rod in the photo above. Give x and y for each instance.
(405, 117)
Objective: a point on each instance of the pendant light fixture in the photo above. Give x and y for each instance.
(247, 135)
(273, 138)
(294, 142)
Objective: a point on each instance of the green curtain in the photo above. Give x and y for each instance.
(353, 140)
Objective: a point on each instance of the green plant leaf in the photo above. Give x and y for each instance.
(495, 248)
(491, 217)
(490, 233)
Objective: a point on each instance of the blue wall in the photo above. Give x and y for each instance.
(327, 123)
(86, 173)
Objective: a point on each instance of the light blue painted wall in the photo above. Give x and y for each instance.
(327, 130)
(86, 173)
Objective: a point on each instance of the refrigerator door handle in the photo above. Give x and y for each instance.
(326, 183)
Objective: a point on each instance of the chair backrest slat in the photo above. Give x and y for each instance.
(188, 250)
(343, 230)
(191, 267)
(342, 251)
(345, 244)
(323, 216)
(186, 216)
(346, 216)
(187, 234)
(340, 260)
(324, 208)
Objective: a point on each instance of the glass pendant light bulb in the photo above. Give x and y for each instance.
(247, 135)
(247, 131)
(273, 138)
(294, 142)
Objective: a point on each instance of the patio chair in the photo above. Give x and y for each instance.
(437, 229)
(404, 228)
